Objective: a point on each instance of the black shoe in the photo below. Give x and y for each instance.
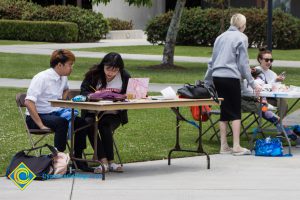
(83, 166)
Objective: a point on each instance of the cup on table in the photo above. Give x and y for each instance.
(130, 96)
(275, 87)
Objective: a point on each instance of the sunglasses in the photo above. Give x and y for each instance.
(268, 59)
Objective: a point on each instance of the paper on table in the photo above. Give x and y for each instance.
(168, 93)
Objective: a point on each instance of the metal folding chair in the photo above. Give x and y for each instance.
(42, 133)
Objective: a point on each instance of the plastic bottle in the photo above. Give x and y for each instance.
(79, 98)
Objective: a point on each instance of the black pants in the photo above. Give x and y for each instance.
(60, 127)
(106, 126)
(230, 90)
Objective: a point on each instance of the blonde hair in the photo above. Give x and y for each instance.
(238, 20)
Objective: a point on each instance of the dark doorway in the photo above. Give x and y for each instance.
(170, 4)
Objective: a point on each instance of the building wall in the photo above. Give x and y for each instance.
(139, 15)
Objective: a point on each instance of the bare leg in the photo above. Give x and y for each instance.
(236, 129)
(223, 135)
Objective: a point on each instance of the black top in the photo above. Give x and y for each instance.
(86, 88)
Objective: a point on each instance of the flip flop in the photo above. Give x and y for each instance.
(98, 170)
(242, 153)
(226, 151)
(113, 167)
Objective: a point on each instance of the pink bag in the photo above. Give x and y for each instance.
(97, 96)
(60, 163)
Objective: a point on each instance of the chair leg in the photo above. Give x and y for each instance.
(117, 151)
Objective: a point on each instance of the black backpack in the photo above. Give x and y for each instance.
(41, 166)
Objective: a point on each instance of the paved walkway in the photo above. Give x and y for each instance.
(46, 49)
(230, 178)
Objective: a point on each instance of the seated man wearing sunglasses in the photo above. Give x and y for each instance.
(265, 60)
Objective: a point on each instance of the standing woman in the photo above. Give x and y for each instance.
(109, 75)
(230, 64)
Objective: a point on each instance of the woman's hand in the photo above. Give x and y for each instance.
(257, 90)
(280, 78)
(44, 127)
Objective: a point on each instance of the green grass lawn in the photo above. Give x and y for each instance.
(189, 51)
(26, 66)
(18, 42)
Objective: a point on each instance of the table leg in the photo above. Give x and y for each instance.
(281, 125)
(95, 149)
(177, 147)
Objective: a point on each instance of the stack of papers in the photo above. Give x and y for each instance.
(167, 94)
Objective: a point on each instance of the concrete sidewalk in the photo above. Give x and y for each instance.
(47, 49)
(230, 178)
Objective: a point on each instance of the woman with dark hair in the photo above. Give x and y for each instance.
(265, 59)
(109, 75)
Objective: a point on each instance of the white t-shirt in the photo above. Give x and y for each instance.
(46, 85)
(268, 75)
(114, 85)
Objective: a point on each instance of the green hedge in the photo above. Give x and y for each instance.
(118, 24)
(38, 31)
(92, 26)
(201, 27)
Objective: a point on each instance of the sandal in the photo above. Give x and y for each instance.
(98, 170)
(226, 150)
(242, 152)
(113, 167)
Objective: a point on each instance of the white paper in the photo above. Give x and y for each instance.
(168, 93)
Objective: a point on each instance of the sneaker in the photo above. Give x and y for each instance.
(271, 107)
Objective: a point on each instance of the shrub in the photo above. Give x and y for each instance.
(92, 26)
(118, 24)
(201, 27)
(157, 28)
(38, 31)
(15, 9)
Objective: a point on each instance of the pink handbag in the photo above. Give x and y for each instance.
(60, 163)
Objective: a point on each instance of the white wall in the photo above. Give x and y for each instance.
(139, 15)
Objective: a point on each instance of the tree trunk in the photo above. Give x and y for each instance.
(168, 55)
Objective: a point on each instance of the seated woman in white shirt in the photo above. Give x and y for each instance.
(251, 104)
(265, 60)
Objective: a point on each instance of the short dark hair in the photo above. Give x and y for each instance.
(61, 56)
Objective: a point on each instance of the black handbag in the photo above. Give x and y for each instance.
(40, 166)
(198, 91)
